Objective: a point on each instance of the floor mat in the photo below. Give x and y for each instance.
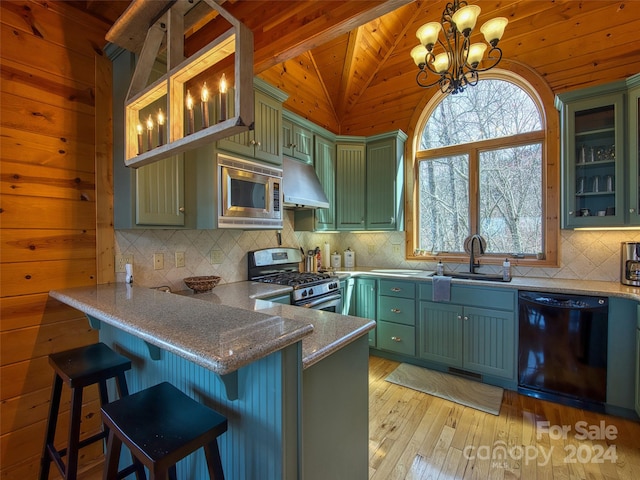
(486, 398)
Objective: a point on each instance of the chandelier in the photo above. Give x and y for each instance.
(457, 66)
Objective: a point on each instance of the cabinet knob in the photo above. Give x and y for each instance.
(466, 318)
(570, 212)
(459, 317)
(632, 210)
(181, 209)
(396, 339)
(395, 310)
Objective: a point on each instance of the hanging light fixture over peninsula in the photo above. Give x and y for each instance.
(456, 66)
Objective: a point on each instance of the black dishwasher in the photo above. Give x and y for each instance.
(562, 354)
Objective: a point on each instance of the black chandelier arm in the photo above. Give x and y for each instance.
(490, 57)
(424, 75)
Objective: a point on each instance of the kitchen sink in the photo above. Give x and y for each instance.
(490, 277)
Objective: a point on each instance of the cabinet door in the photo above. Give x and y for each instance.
(384, 176)
(366, 293)
(396, 338)
(440, 333)
(489, 342)
(268, 129)
(594, 151)
(350, 187)
(264, 141)
(638, 370)
(325, 166)
(634, 154)
(160, 193)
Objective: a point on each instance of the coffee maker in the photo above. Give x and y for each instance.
(630, 263)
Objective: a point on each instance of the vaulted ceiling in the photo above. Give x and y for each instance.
(346, 64)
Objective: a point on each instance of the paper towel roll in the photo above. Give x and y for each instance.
(326, 255)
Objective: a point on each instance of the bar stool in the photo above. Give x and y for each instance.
(161, 425)
(79, 368)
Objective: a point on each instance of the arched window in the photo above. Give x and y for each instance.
(480, 168)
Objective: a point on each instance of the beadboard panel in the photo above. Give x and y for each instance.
(254, 443)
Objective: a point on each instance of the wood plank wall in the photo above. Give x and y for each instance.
(52, 68)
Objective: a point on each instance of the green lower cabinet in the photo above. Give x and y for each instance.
(396, 338)
(441, 333)
(478, 340)
(638, 371)
(365, 303)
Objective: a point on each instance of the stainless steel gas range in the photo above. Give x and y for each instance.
(317, 290)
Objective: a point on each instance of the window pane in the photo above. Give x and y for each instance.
(443, 203)
(511, 199)
(491, 109)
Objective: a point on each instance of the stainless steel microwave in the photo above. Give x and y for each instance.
(249, 194)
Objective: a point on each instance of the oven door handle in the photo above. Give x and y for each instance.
(319, 301)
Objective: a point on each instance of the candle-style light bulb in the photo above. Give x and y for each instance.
(223, 98)
(160, 127)
(190, 114)
(149, 130)
(204, 97)
(139, 129)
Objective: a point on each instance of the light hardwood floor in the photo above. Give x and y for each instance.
(415, 436)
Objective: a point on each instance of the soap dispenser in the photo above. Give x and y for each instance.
(506, 270)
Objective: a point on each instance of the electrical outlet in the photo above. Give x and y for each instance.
(217, 257)
(122, 260)
(179, 259)
(158, 261)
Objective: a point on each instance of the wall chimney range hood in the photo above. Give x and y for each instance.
(301, 186)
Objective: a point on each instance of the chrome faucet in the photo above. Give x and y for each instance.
(472, 260)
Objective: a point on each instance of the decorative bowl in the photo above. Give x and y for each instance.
(202, 284)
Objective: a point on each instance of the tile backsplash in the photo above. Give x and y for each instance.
(593, 255)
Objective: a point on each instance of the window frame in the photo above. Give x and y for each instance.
(542, 96)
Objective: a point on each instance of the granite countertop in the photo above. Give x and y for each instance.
(539, 284)
(218, 337)
(331, 331)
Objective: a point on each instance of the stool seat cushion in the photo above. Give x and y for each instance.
(163, 423)
(87, 365)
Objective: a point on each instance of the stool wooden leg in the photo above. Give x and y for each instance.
(214, 464)
(74, 434)
(112, 457)
(121, 383)
(52, 421)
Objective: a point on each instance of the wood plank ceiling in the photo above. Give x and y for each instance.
(346, 64)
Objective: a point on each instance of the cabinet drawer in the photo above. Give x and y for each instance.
(399, 310)
(394, 288)
(472, 296)
(396, 338)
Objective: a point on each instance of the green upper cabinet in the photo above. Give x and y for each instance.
(350, 185)
(264, 142)
(369, 182)
(325, 166)
(385, 181)
(634, 149)
(599, 164)
(297, 141)
(160, 193)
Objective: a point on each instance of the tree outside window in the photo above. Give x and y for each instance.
(480, 170)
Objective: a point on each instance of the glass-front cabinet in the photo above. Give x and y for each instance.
(593, 162)
(600, 155)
